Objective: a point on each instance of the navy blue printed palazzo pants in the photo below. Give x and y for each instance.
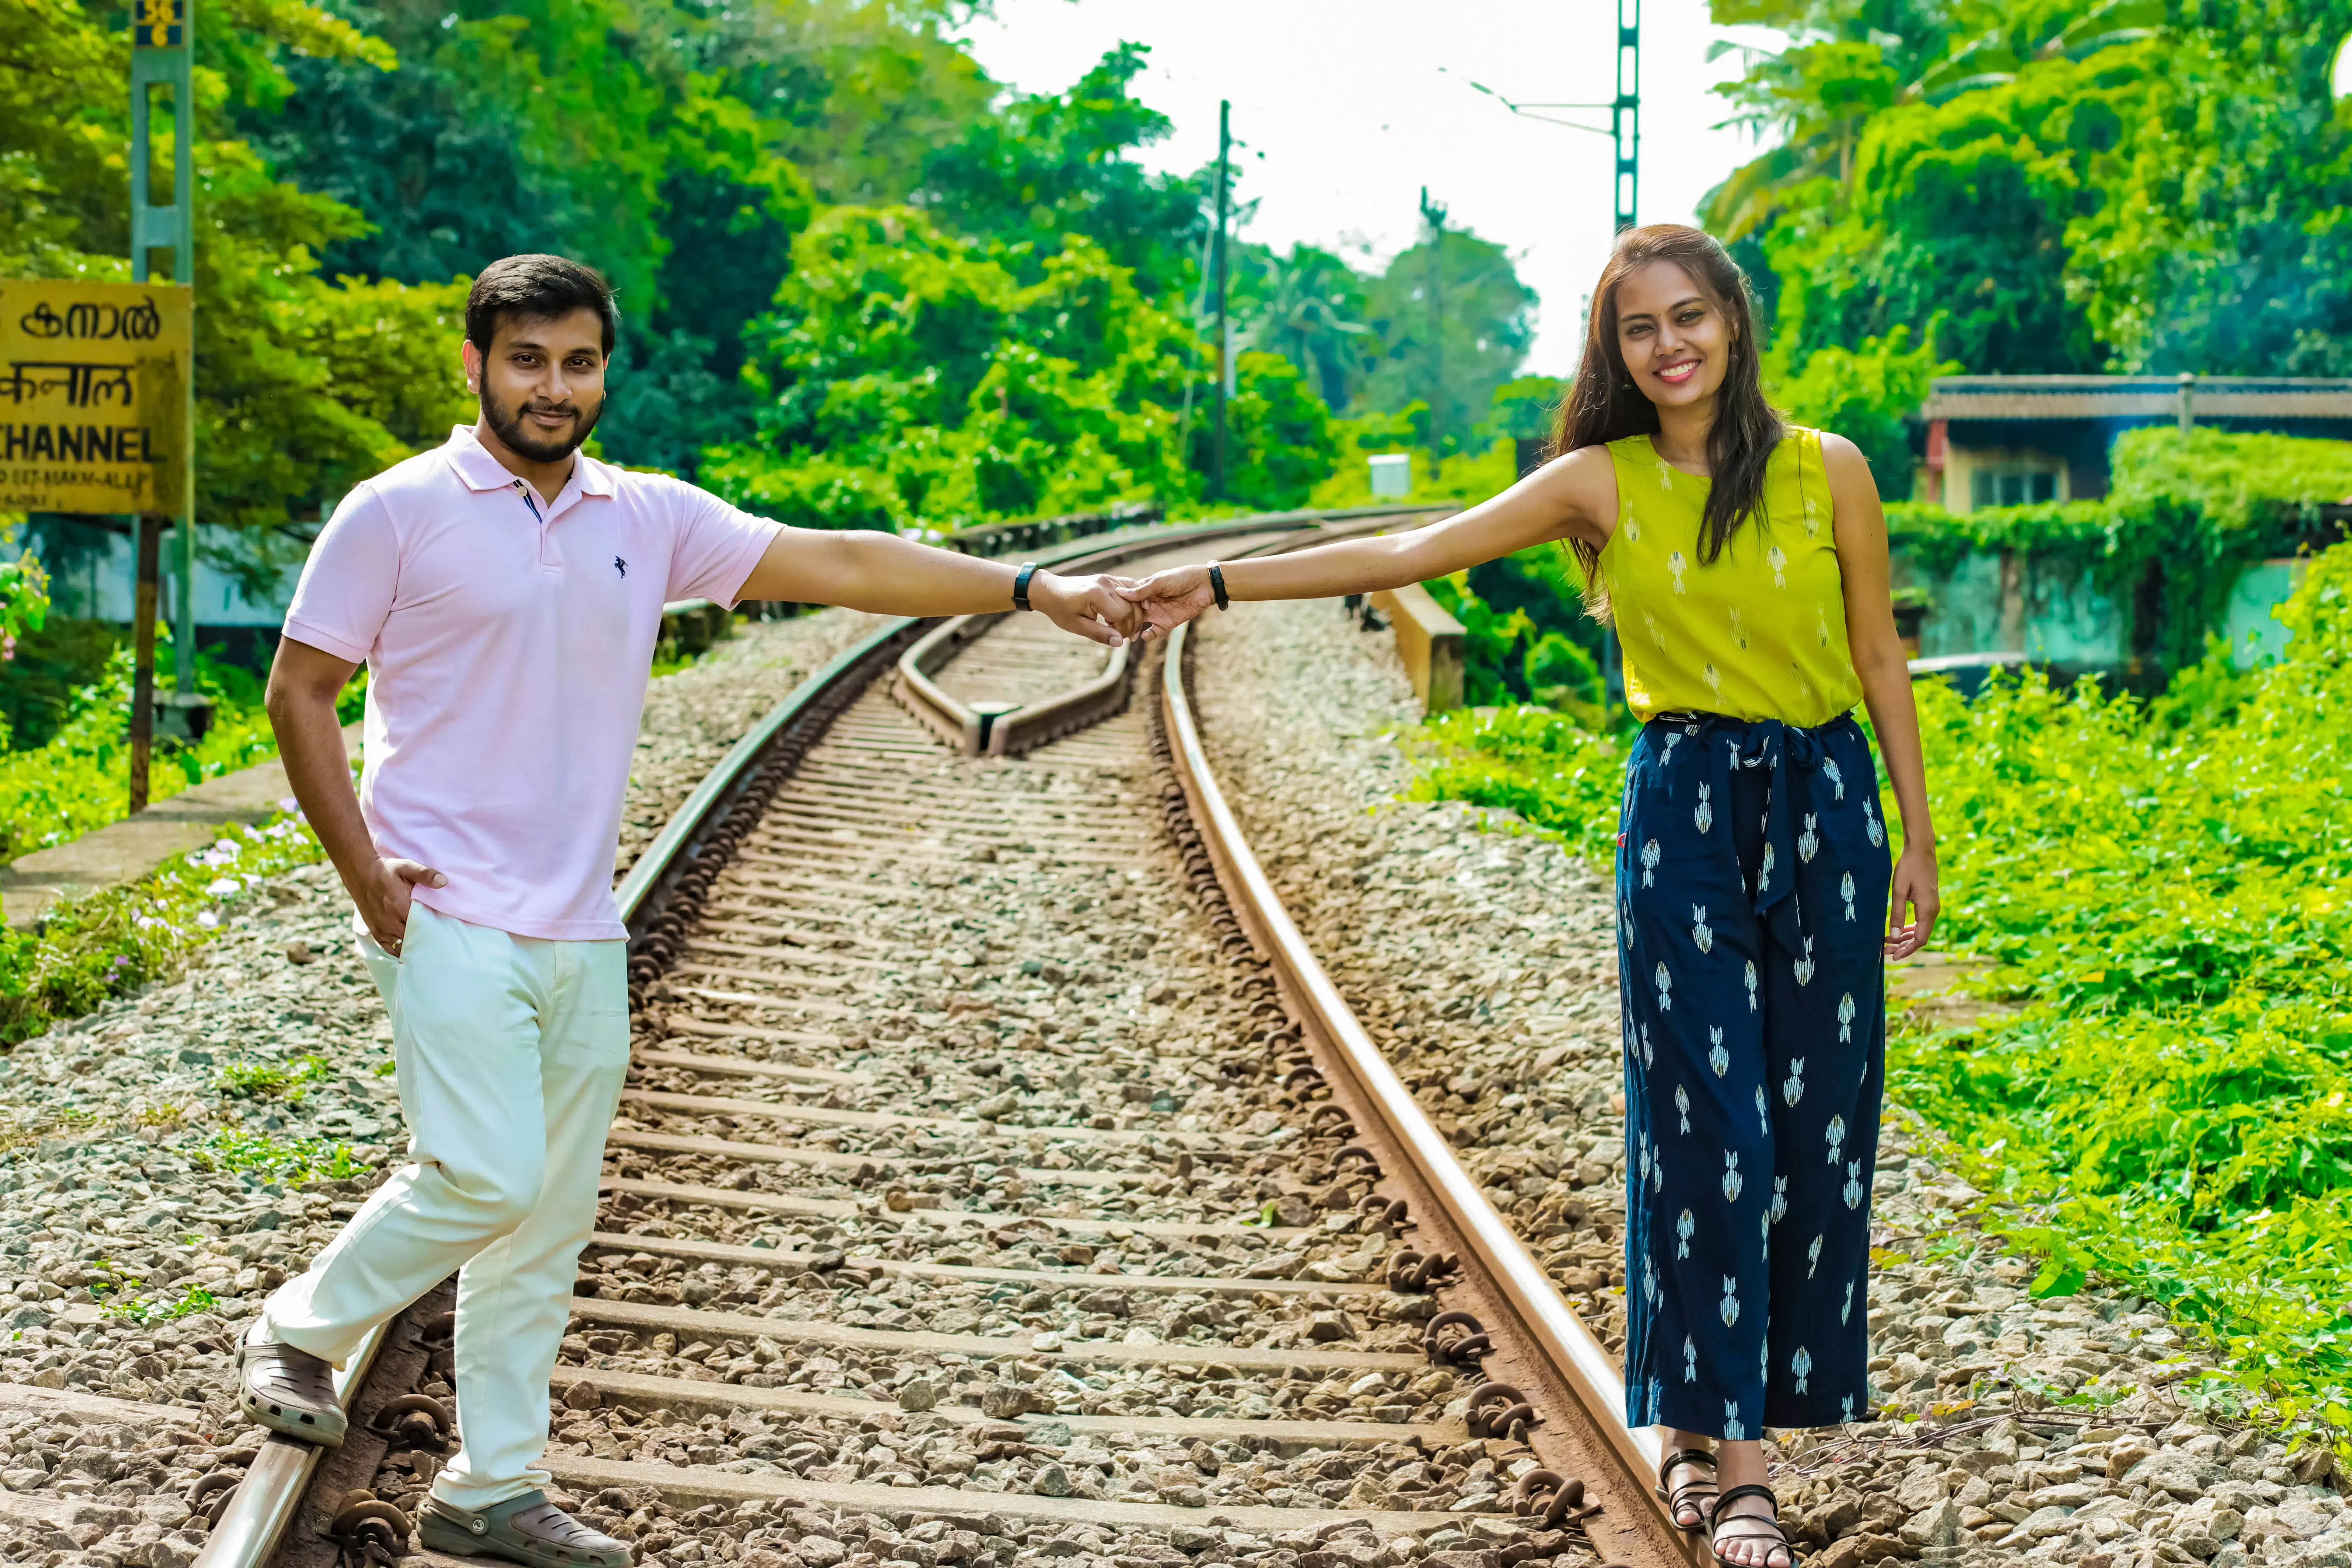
(1752, 880)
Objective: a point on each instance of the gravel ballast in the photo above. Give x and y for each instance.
(1482, 958)
(277, 1039)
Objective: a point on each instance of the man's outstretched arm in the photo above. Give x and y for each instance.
(304, 682)
(865, 568)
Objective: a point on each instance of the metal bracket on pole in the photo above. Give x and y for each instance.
(1625, 112)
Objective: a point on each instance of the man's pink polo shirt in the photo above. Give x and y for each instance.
(508, 647)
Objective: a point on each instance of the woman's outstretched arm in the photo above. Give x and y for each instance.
(1860, 525)
(1571, 497)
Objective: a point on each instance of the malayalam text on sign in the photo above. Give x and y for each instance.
(93, 395)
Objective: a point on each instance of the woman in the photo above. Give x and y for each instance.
(1743, 565)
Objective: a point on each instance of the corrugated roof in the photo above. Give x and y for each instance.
(2137, 396)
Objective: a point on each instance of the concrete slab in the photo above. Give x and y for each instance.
(691, 1324)
(693, 1484)
(124, 851)
(93, 1406)
(1286, 1437)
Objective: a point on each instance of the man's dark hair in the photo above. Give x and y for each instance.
(535, 288)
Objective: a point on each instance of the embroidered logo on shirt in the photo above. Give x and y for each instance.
(620, 566)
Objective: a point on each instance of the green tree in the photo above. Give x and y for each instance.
(909, 377)
(1455, 321)
(278, 427)
(1311, 309)
(1049, 165)
(2060, 186)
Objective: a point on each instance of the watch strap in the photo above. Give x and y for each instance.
(1217, 585)
(1021, 584)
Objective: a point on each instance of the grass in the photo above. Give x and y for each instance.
(293, 1162)
(2166, 890)
(127, 1296)
(270, 1081)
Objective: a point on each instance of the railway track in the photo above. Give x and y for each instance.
(1000, 1181)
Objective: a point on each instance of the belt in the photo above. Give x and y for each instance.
(1796, 756)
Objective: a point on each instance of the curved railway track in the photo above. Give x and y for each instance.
(999, 1179)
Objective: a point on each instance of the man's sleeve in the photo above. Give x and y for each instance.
(347, 585)
(717, 547)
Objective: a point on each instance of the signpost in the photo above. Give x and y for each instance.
(162, 45)
(94, 417)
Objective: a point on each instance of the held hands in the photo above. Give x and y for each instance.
(1914, 892)
(1090, 606)
(385, 890)
(1167, 599)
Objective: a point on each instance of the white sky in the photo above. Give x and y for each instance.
(1356, 104)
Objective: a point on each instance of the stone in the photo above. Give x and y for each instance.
(1460, 1558)
(1007, 1401)
(1829, 1520)
(1052, 1480)
(820, 1551)
(582, 1396)
(919, 1393)
(1937, 1525)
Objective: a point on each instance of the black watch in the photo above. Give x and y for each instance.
(1021, 584)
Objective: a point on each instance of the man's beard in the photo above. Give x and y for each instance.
(507, 423)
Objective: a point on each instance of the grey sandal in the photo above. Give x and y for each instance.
(527, 1529)
(291, 1391)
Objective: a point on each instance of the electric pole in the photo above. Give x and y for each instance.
(1433, 215)
(1625, 111)
(1225, 328)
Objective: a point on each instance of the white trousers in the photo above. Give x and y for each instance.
(511, 1051)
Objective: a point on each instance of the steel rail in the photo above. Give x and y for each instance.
(1571, 1353)
(1009, 732)
(252, 1528)
(266, 1502)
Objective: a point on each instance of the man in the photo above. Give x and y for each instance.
(505, 592)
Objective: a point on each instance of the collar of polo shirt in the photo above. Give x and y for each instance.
(474, 464)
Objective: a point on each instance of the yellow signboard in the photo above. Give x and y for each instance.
(94, 396)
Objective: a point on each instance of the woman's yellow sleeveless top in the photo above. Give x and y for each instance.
(1759, 632)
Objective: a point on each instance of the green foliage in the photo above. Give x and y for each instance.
(291, 1162)
(277, 430)
(1557, 774)
(2171, 893)
(1524, 407)
(1526, 635)
(77, 779)
(1307, 307)
(1455, 321)
(1279, 441)
(1865, 394)
(911, 378)
(2067, 185)
(254, 1080)
(122, 1294)
(1049, 165)
(116, 940)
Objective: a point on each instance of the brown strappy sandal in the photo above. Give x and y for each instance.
(1689, 1494)
(1764, 1527)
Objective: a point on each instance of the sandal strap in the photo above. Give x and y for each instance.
(1752, 1490)
(1685, 1456)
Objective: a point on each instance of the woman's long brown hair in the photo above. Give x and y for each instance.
(1604, 405)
